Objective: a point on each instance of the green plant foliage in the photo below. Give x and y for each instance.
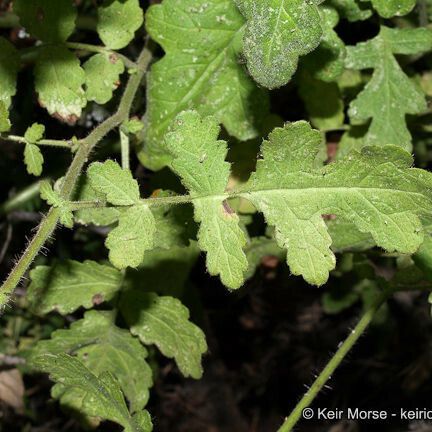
(118, 20)
(50, 21)
(53, 198)
(199, 159)
(5, 124)
(351, 9)
(59, 81)
(10, 63)
(69, 285)
(390, 8)
(200, 70)
(277, 33)
(102, 347)
(327, 61)
(164, 321)
(103, 395)
(382, 195)
(102, 77)
(136, 228)
(390, 95)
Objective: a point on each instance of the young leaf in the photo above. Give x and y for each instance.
(277, 33)
(133, 236)
(199, 159)
(33, 159)
(102, 77)
(377, 190)
(104, 397)
(117, 184)
(390, 8)
(164, 321)
(202, 41)
(55, 200)
(103, 347)
(34, 133)
(118, 20)
(5, 124)
(68, 285)
(9, 67)
(50, 21)
(58, 80)
(390, 95)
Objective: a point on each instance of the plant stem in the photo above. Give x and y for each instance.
(125, 156)
(102, 50)
(49, 223)
(42, 142)
(335, 361)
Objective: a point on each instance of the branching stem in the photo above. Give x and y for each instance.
(43, 142)
(49, 223)
(335, 361)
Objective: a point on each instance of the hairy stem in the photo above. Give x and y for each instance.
(335, 361)
(49, 223)
(42, 142)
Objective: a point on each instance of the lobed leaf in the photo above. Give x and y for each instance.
(103, 347)
(164, 321)
(104, 397)
(202, 41)
(34, 133)
(33, 159)
(277, 33)
(102, 77)
(133, 236)
(58, 80)
(68, 285)
(118, 20)
(199, 159)
(390, 95)
(351, 9)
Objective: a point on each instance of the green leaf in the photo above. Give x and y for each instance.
(377, 190)
(104, 397)
(55, 200)
(58, 80)
(199, 159)
(118, 20)
(68, 285)
(34, 133)
(5, 124)
(103, 347)
(277, 33)
(390, 95)
(326, 63)
(390, 8)
(117, 184)
(33, 159)
(164, 321)
(202, 40)
(132, 126)
(133, 236)
(351, 10)
(9, 67)
(50, 21)
(102, 216)
(102, 77)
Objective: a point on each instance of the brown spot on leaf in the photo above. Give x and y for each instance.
(70, 120)
(113, 58)
(227, 209)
